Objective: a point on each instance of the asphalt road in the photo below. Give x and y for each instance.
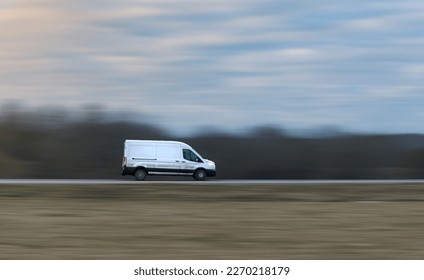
(207, 182)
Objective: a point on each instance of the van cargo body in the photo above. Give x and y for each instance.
(148, 157)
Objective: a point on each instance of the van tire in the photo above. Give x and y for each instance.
(140, 174)
(200, 175)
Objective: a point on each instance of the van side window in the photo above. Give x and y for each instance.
(189, 155)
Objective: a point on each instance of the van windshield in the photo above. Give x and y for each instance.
(189, 155)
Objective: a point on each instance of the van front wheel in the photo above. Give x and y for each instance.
(140, 174)
(200, 175)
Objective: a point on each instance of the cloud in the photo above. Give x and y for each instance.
(292, 63)
(414, 71)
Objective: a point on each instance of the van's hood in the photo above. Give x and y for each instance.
(210, 163)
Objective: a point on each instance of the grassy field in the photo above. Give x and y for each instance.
(212, 222)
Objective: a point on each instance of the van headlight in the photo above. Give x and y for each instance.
(211, 164)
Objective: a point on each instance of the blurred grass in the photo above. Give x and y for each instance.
(212, 222)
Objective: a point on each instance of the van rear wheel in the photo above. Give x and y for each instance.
(200, 175)
(140, 174)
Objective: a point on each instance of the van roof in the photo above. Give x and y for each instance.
(155, 141)
(158, 141)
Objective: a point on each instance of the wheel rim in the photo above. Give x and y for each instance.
(140, 174)
(201, 174)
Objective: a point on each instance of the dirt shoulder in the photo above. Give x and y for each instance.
(212, 222)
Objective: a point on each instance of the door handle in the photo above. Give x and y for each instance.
(177, 161)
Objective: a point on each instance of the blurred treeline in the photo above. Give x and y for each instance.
(50, 144)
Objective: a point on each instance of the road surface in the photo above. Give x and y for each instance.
(208, 182)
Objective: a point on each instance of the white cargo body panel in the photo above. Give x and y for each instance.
(143, 152)
(168, 151)
(149, 157)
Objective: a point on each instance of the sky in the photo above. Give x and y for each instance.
(229, 65)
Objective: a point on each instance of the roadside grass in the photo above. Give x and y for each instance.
(212, 222)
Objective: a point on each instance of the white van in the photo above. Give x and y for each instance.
(147, 157)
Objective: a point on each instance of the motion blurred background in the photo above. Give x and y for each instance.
(54, 144)
(267, 89)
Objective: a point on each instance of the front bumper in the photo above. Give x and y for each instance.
(210, 172)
